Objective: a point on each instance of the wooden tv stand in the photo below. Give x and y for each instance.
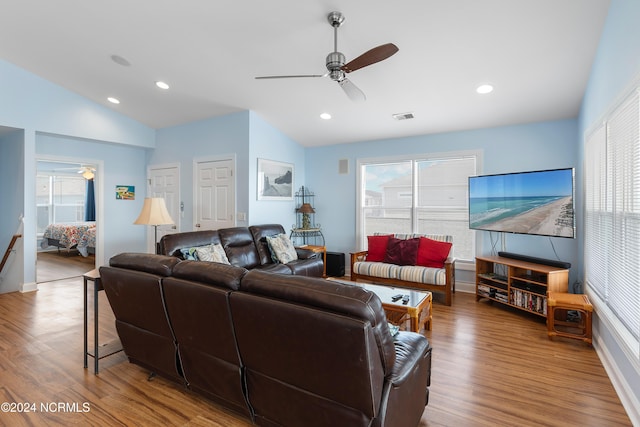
(519, 284)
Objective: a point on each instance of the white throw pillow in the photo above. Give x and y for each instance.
(212, 253)
(281, 246)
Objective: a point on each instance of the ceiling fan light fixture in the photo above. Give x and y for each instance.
(484, 89)
(325, 116)
(162, 85)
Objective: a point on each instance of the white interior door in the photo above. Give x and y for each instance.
(215, 194)
(164, 181)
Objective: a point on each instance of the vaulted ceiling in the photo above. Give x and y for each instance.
(536, 53)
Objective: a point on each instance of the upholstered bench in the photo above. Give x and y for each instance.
(433, 269)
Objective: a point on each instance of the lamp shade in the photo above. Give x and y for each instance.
(154, 212)
(306, 208)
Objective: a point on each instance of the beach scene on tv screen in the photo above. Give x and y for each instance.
(531, 203)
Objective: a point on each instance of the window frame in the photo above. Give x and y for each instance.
(602, 179)
(464, 264)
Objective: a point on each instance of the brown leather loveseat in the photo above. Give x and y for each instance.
(283, 350)
(245, 247)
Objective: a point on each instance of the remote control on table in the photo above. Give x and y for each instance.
(396, 297)
(405, 299)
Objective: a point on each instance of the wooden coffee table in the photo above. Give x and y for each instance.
(417, 309)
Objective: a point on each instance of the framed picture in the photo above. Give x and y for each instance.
(125, 192)
(275, 180)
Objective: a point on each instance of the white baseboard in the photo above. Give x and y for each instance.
(619, 382)
(466, 287)
(29, 287)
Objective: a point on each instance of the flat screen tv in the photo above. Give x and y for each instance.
(535, 202)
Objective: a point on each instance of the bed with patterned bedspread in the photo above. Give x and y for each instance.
(87, 243)
(65, 235)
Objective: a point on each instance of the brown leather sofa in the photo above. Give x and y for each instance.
(245, 247)
(283, 350)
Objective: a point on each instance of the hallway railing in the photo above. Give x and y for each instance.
(9, 249)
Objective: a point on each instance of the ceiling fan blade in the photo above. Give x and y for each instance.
(292, 76)
(352, 91)
(372, 56)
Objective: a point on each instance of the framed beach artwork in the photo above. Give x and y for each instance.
(275, 180)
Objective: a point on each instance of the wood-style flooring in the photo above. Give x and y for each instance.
(492, 366)
(63, 264)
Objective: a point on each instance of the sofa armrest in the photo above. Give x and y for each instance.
(307, 254)
(406, 391)
(358, 256)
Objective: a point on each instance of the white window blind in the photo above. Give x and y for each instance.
(612, 213)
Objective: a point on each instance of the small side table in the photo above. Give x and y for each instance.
(558, 324)
(105, 350)
(318, 248)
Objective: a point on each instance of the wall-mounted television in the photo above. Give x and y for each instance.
(535, 202)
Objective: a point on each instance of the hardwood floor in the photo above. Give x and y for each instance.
(491, 366)
(54, 265)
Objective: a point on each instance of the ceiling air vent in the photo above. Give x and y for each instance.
(403, 116)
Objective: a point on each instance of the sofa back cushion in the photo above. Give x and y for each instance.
(144, 329)
(210, 273)
(171, 244)
(313, 349)
(260, 234)
(196, 298)
(239, 246)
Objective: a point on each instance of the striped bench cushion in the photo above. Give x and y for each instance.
(427, 275)
(407, 273)
(376, 269)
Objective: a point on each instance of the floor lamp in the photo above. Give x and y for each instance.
(154, 212)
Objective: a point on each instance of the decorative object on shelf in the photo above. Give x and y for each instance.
(306, 209)
(154, 212)
(306, 231)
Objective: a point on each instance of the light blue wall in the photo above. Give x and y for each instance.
(617, 64)
(11, 163)
(122, 165)
(219, 136)
(535, 146)
(269, 143)
(30, 102)
(248, 137)
(12, 197)
(39, 107)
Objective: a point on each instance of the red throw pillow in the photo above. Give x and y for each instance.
(377, 247)
(432, 253)
(402, 252)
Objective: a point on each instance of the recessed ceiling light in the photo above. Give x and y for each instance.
(113, 100)
(162, 85)
(325, 116)
(485, 88)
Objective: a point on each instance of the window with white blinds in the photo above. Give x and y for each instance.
(612, 216)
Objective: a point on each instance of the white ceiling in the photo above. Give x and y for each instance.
(537, 53)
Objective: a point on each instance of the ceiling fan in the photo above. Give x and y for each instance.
(338, 67)
(87, 171)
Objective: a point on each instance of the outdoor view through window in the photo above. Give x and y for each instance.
(419, 196)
